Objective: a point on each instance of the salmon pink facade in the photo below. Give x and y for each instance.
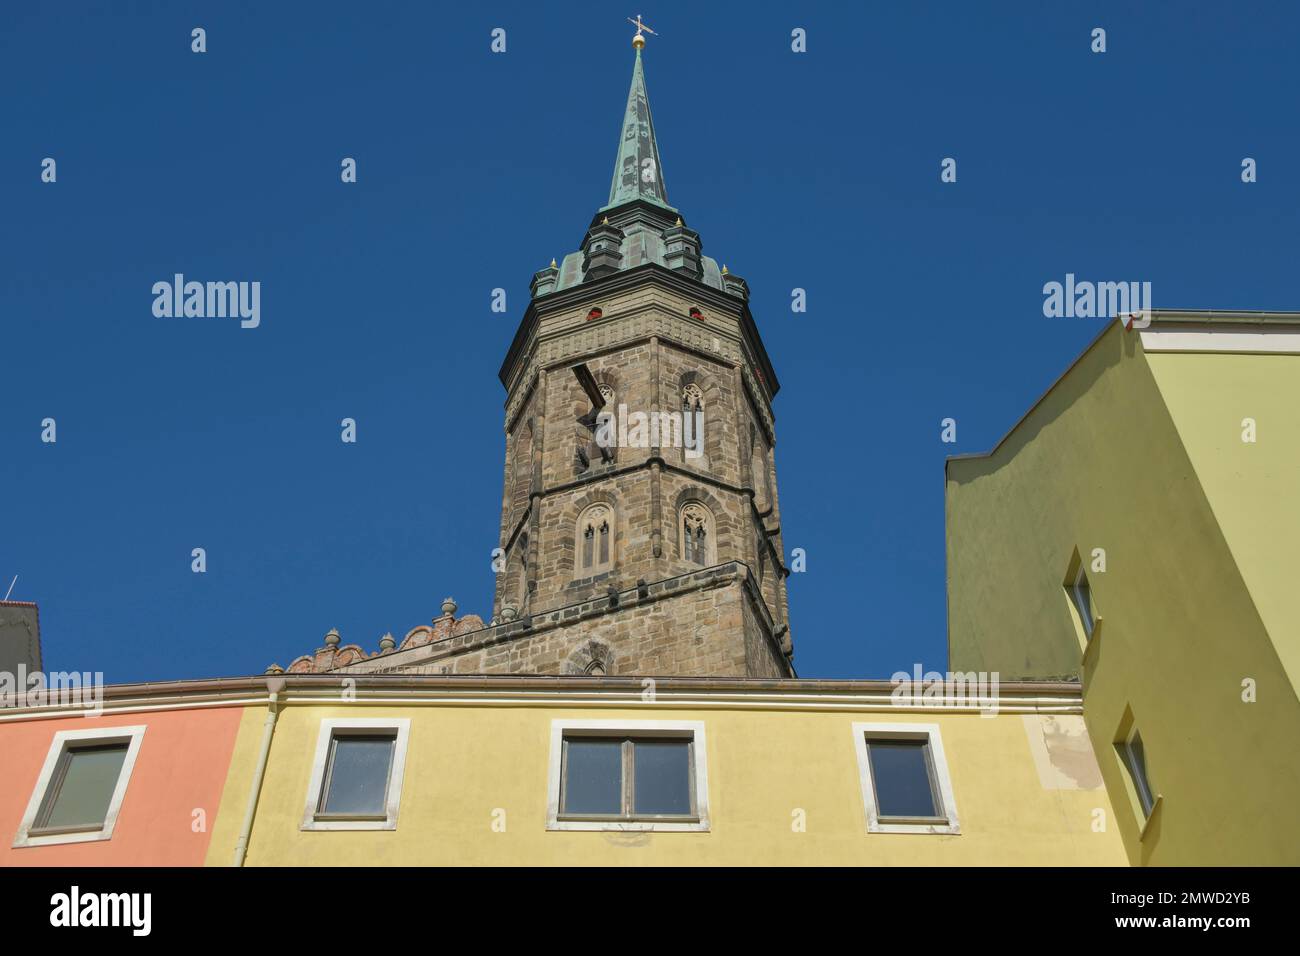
(169, 786)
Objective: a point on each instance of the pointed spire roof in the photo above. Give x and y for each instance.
(636, 227)
(638, 174)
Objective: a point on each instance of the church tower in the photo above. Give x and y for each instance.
(640, 528)
(639, 438)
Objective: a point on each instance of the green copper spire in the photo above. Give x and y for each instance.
(638, 174)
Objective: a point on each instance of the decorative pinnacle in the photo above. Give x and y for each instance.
(638, 41)
(552, 262)
(332, 637)
(679, 221)
(724, 268)
(448, 607)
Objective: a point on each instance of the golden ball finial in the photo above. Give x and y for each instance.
(638, 41)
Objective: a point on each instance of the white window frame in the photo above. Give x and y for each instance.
(65, 740)
(941, 781)
(401, 728)
(692, 730)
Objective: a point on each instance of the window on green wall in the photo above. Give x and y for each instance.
(1134, 757)
(1081, 595)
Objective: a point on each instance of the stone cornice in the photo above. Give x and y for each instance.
(415, 689)
(625, 281)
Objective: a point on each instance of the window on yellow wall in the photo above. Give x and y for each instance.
(621, 775)
(904, 775)
(357, 773)
(628, 778)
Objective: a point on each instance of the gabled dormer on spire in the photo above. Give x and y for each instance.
(638, 174)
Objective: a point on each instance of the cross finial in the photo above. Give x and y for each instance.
(638, 41)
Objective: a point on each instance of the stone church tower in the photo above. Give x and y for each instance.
(640, 526)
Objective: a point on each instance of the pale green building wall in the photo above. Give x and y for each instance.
(1102, 461)
(1253, 487)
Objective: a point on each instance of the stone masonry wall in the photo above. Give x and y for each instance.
(708, 622)
(644, 349)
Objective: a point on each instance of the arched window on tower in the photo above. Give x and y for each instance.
(595, 541)
(697, 534)
(692, 422)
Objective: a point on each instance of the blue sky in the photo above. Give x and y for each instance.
(818, 171)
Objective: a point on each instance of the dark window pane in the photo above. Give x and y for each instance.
(87, 789)
(593, 777)
(1138, 766)
(358, 782)
(663, 771)
(902, 778)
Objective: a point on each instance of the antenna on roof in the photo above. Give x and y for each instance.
(11, 587)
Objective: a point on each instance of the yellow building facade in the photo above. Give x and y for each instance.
(778, 769)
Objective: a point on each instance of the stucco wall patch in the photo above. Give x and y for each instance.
(1062, 752)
